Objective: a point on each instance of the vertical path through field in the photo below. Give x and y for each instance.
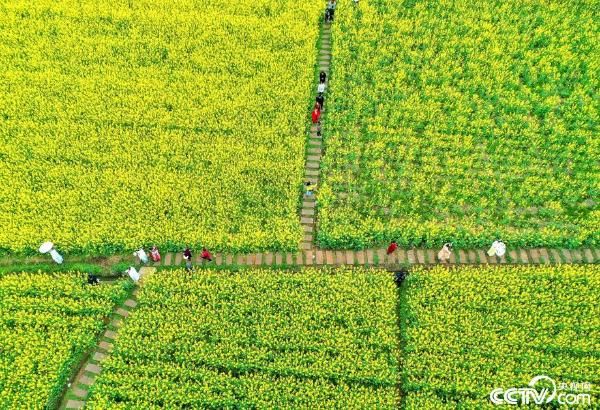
(314, 150)
(78, 392)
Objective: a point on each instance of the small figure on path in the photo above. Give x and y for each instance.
(187, 255)
(330, 10)
(322, 77)
(49, 247)
(155, 254)
(206, 255)
(309, 188)
(318, 128)
(498, 248)
(133, 274)
(141, 255)
(320, 100)
(92, 279)
(316, 114)
(321, 88)
(444, 254)
(393, 246)
(56, 257)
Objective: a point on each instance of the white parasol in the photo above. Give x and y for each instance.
(46, 247)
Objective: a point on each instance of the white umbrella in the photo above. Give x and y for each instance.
(46, 247)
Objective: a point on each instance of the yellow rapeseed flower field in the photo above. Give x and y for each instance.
(463, 121)
(143, 121)
(47, 323)
(468, 331)
(256, 339)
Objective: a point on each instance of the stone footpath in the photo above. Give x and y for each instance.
(378, 257)
(78, 392)
(314, 149)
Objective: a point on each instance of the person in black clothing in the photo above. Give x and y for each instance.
(92, 279)
(320, 100)
(330, 10)
(187, 255)
(322, 77)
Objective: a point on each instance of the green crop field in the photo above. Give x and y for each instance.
(256, 339)
(47, 323)
(463, 121)
(139, 122)
(468, 331)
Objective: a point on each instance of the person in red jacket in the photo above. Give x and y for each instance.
(316, 114)
(393, 246)
(206, 255)
(155, 254)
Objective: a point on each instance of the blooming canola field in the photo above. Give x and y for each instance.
(48, 322)
(144, 121)
(256, 339)
(462, 121)
(466, 332)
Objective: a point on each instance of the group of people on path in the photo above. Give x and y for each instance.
(319, 101)
(155, 255)
(498, 248)
(316, 120)
(142, 257)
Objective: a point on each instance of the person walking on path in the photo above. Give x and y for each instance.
(321, 88)
(320, 100)
(187, 255)
(319, 129)
(155, 254)
(206, 255)
(316, 114)
(444, 254)
(322, 77)
(393, 246)
(498, 248)
(141, 255)
(133, 274)
(49, 247)
(309, 188)
(330, 10)
(92, 279)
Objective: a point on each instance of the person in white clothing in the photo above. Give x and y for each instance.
(321, 88)
(498, 248)
(444, 254)
(133, 274)
(141, 254)
(48, 247)
(56, 257)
